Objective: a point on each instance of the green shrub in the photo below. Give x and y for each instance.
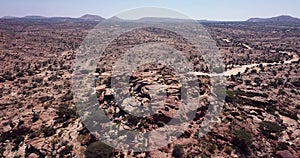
(67, 97)
(45, 98)
(35, 117)
(18, 141)
(160, 123)
(212, 148)
(257, 80)
(281, 92)
(228, 150)
(64, 113)
(242, 141)
(271, 109)
(282, 146)
(296, 83)
(270, 127)
(290, 114)
(230, 93)
(178, 151)
(48, 131)
(98, 150)
(33, 134)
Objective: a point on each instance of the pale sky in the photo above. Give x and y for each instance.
(197, 9)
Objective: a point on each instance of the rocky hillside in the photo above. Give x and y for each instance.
(38, 117)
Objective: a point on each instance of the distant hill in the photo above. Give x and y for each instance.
(34, 17)
(8, 17)
(90, 17)
(86, 17)
(96, 18)
(115, 18)
(282, 18)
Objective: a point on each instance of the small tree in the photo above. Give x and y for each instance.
(48, 131)
(178, 151)
(242, 141)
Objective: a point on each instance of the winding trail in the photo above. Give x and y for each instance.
(242, 69)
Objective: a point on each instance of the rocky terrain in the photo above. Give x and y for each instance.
(38, 118)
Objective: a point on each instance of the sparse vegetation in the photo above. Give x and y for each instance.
(212, 148)
(17, 142)
(296, 83)
(270, 127)
(98, 150)
(48, 131)
(178, 151)
(282, 146)
(38, 112)
(281, 92)
(35, 117)
(67, 150)
(242, 141)
(64, 113)
(230, 93)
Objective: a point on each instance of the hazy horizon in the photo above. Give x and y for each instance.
(234, 10)
(139, 18)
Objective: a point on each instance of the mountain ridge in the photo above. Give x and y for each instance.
(281, 18)
(91, 17)
(97, 18)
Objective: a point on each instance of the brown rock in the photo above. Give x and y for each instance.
(157, 154)
(38, 143)
(21, 130)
